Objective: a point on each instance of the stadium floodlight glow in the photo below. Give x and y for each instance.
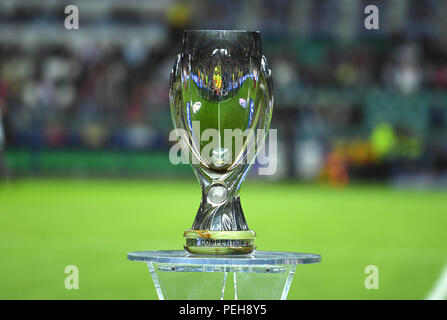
(221, 82)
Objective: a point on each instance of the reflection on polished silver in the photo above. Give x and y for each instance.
(221, 80)
(221, 157)
(217, 193)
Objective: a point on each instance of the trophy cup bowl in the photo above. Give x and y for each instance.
(221, 98)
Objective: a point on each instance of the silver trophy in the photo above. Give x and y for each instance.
(221, 97)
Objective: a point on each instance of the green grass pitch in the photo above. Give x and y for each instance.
(46, 225)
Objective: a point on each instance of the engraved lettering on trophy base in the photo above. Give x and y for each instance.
(219, 242)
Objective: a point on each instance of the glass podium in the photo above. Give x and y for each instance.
(262, 275)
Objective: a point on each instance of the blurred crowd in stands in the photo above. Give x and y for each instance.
(348, 98)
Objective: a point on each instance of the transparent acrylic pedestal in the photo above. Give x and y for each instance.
(262, 275)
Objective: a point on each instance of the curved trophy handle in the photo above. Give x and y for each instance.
(265, 69)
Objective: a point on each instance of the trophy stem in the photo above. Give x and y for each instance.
(225, 216)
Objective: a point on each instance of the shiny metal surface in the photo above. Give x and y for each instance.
(221, 81)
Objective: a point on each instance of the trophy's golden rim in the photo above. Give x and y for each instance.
(219, 250)
(219, 235)
(221, 242)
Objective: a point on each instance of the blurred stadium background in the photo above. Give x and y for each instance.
(362, 127)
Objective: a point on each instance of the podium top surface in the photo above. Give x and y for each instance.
(255, 258)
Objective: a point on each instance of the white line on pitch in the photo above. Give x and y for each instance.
(439, 292)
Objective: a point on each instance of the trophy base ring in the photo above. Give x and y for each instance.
(219, 242)
(219, 250)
